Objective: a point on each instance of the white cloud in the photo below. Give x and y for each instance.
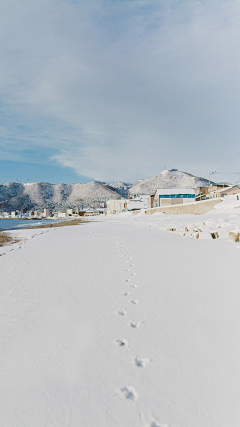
(118, 89)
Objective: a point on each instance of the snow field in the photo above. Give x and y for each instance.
(114, 323)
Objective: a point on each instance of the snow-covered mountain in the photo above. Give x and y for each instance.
(24, 196)
(167, 179)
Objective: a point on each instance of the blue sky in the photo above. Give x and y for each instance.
(116, 90)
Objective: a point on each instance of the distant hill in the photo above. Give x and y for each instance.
(25, 196)
(167, 179)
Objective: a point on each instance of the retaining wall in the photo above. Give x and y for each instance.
(197, 208)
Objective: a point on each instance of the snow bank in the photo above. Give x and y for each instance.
(224, 218)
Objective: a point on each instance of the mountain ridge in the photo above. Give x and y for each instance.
(35, 195)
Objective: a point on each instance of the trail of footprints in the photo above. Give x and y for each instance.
(129, 392)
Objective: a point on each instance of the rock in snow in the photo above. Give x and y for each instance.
(234, 236)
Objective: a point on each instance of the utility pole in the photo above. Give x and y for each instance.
(209, 174)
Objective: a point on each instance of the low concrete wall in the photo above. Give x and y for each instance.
(197, 208)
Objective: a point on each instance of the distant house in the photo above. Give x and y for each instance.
(94, 212)
(101, 211)
(150, 201)
(47, 213)
(173, 196)
(201, 193)
(62, 214)
(115, 206)
(137, 203)
(229, 192)
(215, 187)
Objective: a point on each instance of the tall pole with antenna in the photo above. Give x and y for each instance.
(210, 173)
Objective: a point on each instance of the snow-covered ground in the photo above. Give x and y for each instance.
(224, 218)
(119, 323)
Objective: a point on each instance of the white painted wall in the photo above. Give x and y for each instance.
(115, 206)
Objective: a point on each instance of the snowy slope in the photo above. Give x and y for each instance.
(144, 333)
(81, 191)
(122, 188)
(103, 193)
(40, 194)
(10, 190)
(167, 179)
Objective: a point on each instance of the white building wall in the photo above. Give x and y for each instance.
(132, 204)
(62, 214)
(115, 206)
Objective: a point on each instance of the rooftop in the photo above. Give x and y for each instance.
(222, 190)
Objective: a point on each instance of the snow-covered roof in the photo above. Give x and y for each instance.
(171, 191)
(222, 190)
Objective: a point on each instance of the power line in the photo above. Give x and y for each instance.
(232, 160)
(224, 165)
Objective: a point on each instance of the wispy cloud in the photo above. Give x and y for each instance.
(116, 89)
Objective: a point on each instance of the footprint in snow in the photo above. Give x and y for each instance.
(134, 285)
(129, 392)
(134, 301)
(126, 294)
(140, 362)
(127, 280)
(121, 312)
(135, 325)
(157, 424)
(133, 274)
(127, 269)
(121, 343)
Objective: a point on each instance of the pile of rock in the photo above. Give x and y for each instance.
(234, 236)
(206, 232)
